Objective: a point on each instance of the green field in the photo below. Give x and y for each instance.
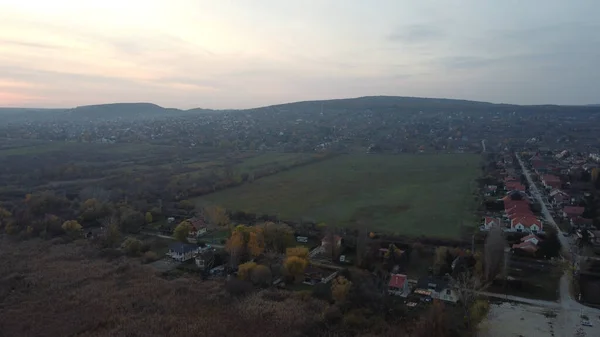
(405, 194)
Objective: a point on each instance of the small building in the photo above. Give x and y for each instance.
(313, 275)
(398, 285)
(570, 212)
(182, 251)
(489, 222)
(436, 288)
(325, 242)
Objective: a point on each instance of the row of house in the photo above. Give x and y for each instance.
(427, 287)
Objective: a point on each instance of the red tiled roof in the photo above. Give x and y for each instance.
(397, 280)
(494, 220)
(530, 236)
(527, 246)
(527, 221)
(573, 210)
(583, 221)
(549, 177)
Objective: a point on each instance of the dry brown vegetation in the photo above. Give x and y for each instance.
(50, 289)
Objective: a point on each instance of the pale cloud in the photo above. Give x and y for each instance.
(234, 54)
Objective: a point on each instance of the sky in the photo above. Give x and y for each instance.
(250, 53)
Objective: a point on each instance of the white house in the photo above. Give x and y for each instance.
(437, 289)
(489, 222)
(182, 251)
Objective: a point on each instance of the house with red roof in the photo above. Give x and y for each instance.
(570, 212)
(581, 222)
(489, 222)
(526, 223)
(398, 285)
(551, 181)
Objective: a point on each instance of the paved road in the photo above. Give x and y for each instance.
(570, 309)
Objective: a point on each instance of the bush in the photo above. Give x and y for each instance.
(322, 291)
(132, 246)
(332, 314)
(149, 257)
(237, 287)
(111, 253)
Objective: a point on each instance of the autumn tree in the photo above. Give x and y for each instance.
(235, 246)
(299, 251)
(277, 236)
(92, 210)
(245, 270)
(111, 234)
(495, 244)
(132, 246)
(295, 266)
(148, 217)
(467, 285)
(261, 275)
(4, 215)
(340, 287)
(256, 243)
(216, 215)
(181, 232)
(71, 227)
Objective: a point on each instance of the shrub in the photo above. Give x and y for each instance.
(149, 257)
(132, 246)
(237, 287)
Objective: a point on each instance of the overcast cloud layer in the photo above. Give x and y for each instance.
(238, 54)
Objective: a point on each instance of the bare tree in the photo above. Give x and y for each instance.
(495, 244)
(467, 286)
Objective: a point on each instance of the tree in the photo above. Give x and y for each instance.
(235, 246)
(340, 287)
(216, 215)
(277, 236)
(467, 285)
(261, 275)
(295, 266)
(112, 234)
(494, 253)
(299, 251)
(148, 217)
(71, 227)
(93, 209)
(245, 270)
(181, 232)
(132, 246)
(256, 243)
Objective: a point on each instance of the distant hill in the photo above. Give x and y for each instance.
(132, 111)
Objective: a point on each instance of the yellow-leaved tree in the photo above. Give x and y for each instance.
(148, 217)
(340, 287)
(295, 266)
(256, 243)
(235, 246)
(71, 227)
(299, 251)
(181, 232)
(216, 215)
(245, 270)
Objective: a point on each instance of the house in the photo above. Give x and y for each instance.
(514, 186)
(313, 275)
(559, 197)
(489, 222)
(581, 222)
(398, 285)
(326, 240)
(531, 238)
(436, 288)
(551, 181)
(570, 212)
(198, 227)
(526, 223)
(527, 246)
(182, 251)
(490, 190)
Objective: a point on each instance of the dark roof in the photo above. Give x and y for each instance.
(429, 282)
(182, 248)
